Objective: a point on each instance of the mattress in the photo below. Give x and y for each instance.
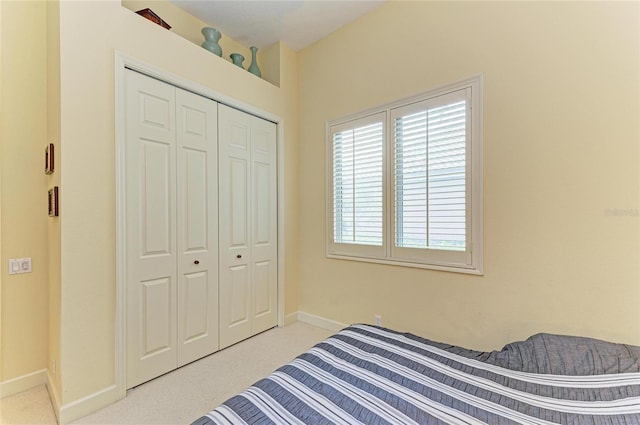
(371, 375)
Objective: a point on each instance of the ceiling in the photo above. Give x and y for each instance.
(261, 23)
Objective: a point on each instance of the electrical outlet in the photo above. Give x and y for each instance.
(377, 320)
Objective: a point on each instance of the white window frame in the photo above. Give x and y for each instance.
(352, 249)
(469, 261)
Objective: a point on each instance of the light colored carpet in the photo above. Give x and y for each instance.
(184, 395)
(31, 407)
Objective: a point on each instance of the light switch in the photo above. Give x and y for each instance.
(19, 265)
(14, 266)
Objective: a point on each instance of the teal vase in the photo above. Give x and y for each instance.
(253, 68)
(237, 59)
(211, 38)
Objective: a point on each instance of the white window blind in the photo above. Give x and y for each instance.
(358, 184)
(405, 182)
(430, 182)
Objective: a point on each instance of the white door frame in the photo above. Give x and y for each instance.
(123, 62)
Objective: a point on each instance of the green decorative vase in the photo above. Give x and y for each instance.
(237, 59)
(211, 38)
(253, 68)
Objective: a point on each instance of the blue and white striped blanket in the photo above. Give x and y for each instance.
(369, 375)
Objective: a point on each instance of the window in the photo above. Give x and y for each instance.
(405, 182)
(358, 205)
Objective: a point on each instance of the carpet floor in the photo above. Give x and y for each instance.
(181, 396)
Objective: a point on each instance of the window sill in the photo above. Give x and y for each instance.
(474, 270)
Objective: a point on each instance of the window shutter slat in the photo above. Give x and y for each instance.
(357, 185)
(430, 178)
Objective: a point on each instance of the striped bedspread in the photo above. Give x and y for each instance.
(370, 375)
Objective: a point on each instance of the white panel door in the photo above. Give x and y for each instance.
(247, 223)
(197, 226)
(264, 245)
(172, 218)
(234, 150)
(151, 228)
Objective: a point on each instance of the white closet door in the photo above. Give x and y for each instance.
(264, 245)
(172, 218)
(247, 223)
(197, 218)
(151, 228)
(234, 149)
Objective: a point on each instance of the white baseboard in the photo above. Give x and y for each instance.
(22, 383)
(320, 322)
(290, 318)
(53, 395)
(87, 405)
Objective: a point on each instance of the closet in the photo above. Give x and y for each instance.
(185, 205)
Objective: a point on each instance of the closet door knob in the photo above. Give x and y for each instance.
(196, 262)
(238, 256)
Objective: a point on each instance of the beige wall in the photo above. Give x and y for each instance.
(2, 102)
(53, 131)
(562, 180)
(23, 224)
(561, 155)
(88, 166)
(288, 82)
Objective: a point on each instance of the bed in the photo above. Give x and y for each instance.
(372, 375)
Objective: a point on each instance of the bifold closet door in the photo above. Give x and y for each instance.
(171, 227)
(197, 230)
(248, 225)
